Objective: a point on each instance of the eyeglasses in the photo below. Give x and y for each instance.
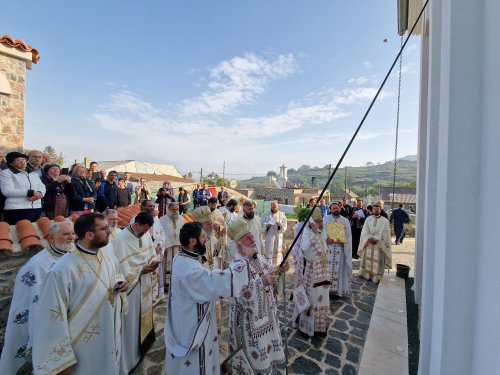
(106, 229)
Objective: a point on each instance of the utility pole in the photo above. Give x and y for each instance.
(224, 170)
(345, 180)
(201, 175)
(330, 184)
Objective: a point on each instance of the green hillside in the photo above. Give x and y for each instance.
(362, 180)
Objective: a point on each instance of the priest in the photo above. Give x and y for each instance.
(135, 252)
(171, 223)
(191, 339)
(339, 240)
(253, 321)
(274, 224)
(375, 246)
(112, 219)
(77, 325)
(248, 214)
(312, 275)
(27, 288)
(203, 215)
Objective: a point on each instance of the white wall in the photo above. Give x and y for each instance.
(460, 321)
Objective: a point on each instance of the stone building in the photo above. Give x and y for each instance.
(16, 56)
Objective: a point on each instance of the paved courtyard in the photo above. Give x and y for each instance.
(339, 353)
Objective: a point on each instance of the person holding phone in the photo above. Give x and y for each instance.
(134, 249)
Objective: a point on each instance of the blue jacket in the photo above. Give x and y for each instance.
(81, 189)
(109, 193)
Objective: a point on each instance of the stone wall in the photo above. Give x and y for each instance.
(284, 196)
(12, 106)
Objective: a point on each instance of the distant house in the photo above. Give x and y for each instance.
(341, 194)
(156, 174)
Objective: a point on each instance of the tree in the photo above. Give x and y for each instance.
(58, 159)
(369, 163)
(271, 173)
(215, 180)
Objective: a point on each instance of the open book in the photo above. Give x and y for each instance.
(336, 231)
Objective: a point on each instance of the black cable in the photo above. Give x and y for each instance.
(354, 135)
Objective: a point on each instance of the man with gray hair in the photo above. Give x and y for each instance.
(171, 223)
(112, 218)
(27, 287)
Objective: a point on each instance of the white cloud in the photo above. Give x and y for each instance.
(237, 81)
(367, 64)
(196, 125)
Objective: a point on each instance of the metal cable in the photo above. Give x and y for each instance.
(354, 135)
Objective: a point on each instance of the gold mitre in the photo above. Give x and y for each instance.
(237, 229)
(202, 214)
(217, 218)
(316, 215)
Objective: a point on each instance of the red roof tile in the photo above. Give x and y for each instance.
(22, 45)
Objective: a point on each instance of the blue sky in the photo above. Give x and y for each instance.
(195, 83)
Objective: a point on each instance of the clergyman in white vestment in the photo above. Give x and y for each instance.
(27, 287)
(375, 246)
(191, 338)
(134, 249)
(274, 224)
(78, 322)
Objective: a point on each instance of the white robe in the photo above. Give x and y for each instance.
(375, 258)
(273, 236)
(113, 234)
(339, 258)
(79, 316)
(172, 229)
(27, 287)
(138, 322)
(156, 232)
(253, 323)
(312, 273)
(191, 339)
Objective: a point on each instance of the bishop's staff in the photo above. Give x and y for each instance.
(280, 267)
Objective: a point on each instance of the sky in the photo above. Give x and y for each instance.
(254, 84)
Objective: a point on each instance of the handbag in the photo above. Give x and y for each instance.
(237, 363)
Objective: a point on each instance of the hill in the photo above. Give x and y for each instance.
(362, 180)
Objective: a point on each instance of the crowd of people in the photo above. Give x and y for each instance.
(85, 303)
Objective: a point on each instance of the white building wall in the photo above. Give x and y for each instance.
(460, 312)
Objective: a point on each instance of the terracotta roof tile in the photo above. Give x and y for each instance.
(22, 45)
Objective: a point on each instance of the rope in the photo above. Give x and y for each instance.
(354, 136)
(397, 128)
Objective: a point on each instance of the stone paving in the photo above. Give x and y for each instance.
(338, 353)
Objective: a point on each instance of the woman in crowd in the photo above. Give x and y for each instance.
(22, 190)
(84, 192)
(165, 196)
(184, 201)
(124, 197)
(59, 190)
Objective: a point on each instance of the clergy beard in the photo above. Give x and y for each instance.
(249, 216)
(212, 209)
(173, 216)
(274, 211)
(96, 244)
(232, 209)
(199, 248)
(336, 214)
(62, 246)
(249, 251)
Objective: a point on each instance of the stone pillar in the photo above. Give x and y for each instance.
(460, 325)
(15, 58)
